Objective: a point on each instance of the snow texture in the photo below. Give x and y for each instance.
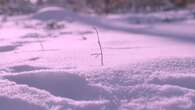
(50, 61)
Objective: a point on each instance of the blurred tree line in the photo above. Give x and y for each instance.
(101, 6)
(137, 5)
(107, 6)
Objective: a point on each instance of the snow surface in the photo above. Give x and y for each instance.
(149, 65)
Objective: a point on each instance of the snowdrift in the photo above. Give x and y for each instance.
(54, 14)
(21, 97)
(13, 104)
(61, 84)
(141, 86)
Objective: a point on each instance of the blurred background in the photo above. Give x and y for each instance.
(13, 7)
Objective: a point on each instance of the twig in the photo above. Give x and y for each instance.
(100, 47)
(40, 42)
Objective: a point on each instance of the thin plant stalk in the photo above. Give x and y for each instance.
(40, 43)
(100, 46)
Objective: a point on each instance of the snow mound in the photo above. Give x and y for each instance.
(62, 84)
(182, 80)
(21, 97)
(53, 13)
(12, 104)
(176, 103)
(146, 86)
(22, 93)
(155, 17)
(164, 84)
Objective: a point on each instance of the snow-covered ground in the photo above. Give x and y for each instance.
(50, 61)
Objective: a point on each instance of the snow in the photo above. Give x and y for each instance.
(149, 65)
(10, 104)
(52, 13)
(78, 87)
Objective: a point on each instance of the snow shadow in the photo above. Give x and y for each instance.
(16, 104)
(122, 48)
(185, 81)
(32, 38)
(147, 31)
(8, 48)
(66, 33)
(85, 32)
(61, 84)
(59, 14)
(24, 68)
(31, 35)
(54, 13)
(33, 58)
